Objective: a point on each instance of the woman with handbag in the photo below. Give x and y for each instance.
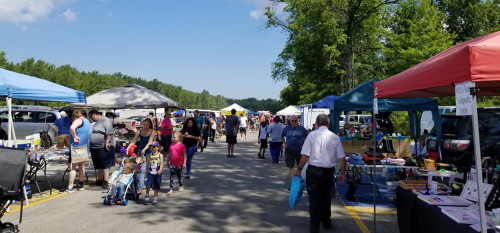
(79, 137)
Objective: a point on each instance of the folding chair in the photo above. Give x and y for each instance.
(12, 172)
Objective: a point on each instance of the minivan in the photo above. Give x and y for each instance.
(28, 122)
(426, 121)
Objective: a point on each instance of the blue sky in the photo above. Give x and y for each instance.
(218, 45)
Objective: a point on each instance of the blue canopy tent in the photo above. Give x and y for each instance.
(307, 115)
(249, 112)
(179, 112)
(23, 87)
(361, 99)
(325, 102)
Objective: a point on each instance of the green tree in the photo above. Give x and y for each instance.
(414, 33)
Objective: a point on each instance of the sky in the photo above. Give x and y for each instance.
(221, 46)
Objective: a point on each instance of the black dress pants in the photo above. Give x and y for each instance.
(319, 185)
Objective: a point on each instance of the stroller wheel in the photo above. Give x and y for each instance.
(106, 201)
(125, 202)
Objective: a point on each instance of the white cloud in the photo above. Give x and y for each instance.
(260, 8)
(70, 15)
(27, 11)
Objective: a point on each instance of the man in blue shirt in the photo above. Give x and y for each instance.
(293, 137)
(61, 131)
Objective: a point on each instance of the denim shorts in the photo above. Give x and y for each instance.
(154, 181)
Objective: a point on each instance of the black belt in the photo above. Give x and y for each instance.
(325, 168)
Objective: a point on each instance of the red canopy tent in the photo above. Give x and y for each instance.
(477, 61)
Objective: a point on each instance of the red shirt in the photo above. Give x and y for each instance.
(177, 154)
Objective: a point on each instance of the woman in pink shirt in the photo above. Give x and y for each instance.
(166, 129)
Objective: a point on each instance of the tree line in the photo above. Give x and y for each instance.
(93, 82)
(335, 45)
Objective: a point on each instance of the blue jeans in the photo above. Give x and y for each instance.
(275, 149)
(190, 153)
(139, 177)
(165, 142)
(120, 187)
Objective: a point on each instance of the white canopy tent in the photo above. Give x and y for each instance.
(290, 110)
(238, 108)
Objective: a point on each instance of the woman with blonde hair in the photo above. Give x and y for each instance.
(79, 154)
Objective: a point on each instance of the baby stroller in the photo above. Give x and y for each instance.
(130, 185)
(12, 171)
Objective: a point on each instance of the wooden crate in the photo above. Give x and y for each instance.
(416, 185)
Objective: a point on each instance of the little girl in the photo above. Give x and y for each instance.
(176, 160)
(263, 135)
(119, 184)
(154, 166)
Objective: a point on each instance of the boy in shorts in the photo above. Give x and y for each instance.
(154, 166)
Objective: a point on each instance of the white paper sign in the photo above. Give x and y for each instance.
(375, 105)
(463, 98)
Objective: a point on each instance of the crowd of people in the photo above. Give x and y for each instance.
(319, 149)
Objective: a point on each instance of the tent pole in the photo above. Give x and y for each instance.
(374, 122)
(477, 153)
(9, 129)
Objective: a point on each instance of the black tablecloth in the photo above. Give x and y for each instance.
(416, 216)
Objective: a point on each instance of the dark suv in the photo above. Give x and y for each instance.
(457, 138)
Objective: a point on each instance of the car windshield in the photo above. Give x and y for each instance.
(489, 124)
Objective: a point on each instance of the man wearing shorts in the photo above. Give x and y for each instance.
(102, 147)
(293, 137)
(243, 125)
(62, 124)
(232, 124)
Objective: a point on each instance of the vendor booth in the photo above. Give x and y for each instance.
(309, 112)
(288, 111)
(227, 111)
(23, 87)
(470, 69)
(361, 99)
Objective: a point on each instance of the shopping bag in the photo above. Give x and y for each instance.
(298, 186)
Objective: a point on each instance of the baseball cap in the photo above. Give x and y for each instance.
(63, 113)
(155, 143)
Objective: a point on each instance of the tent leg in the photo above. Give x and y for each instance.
(479, 168)
(374, 121)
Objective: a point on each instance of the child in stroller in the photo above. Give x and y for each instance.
(120, 185)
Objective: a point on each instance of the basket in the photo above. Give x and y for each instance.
(416, 185)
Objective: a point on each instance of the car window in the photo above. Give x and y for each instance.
(24, 116)
(489, 123)
(46, 117)
(4, 115)
(352, 118)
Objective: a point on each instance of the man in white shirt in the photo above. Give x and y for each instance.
(243, 125)
(321, 150)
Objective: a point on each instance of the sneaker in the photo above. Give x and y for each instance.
(187, 177)
(228, 155)
(105, 185)
(232, 156)
(146, 200)
(201, 150)
(69, 190)
(258, 155)
(80, 186)
(155, 201)
(263, 157)
(98, 183)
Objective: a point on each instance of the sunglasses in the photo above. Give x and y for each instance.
(293, 121)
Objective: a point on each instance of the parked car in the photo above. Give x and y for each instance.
(457, 138)
(30, 121)
(130, 122)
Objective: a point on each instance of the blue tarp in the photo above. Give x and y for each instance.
(361, 99)
(20, 86)
(249, 112)
(179, 112)
(325, 102)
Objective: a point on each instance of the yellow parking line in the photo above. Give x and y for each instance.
(368, 209)
(357, 219)
(14, 209)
